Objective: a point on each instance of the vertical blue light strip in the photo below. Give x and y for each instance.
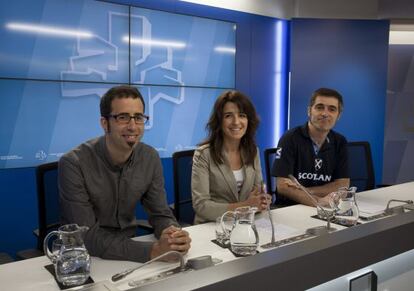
(279, 114)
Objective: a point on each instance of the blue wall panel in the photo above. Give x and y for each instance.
(268, 83)
(351, 57)
(18, 209)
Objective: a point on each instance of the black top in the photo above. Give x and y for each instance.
(296, 155)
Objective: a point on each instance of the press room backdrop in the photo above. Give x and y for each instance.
(59, 56)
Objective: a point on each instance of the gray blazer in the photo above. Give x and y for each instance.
(214, 186)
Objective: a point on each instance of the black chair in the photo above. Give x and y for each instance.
(143, 225)
(5, 258)
(183, 203)
(361, 169)
(48, 207)
(280, 200)
(269, 157)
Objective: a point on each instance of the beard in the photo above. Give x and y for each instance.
(131, 144)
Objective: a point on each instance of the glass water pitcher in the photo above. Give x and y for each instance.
(69, 255)
(244, 238)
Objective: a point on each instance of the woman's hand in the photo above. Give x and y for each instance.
(259, 199)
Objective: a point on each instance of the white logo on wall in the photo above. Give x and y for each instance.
(318, 164)
(10, 157)
(180, 147)
(41, 155)
(96, 57)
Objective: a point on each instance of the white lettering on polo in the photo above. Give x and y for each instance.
(314, 177)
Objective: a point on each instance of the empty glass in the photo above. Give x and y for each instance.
(326, 211)
(56, 247)
(221, 236)
(345, 207)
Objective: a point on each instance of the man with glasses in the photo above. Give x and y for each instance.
(313, 153)
(102, 180)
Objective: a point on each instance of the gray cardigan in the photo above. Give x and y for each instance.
(214, 186)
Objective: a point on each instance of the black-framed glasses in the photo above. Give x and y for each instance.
(125, 118)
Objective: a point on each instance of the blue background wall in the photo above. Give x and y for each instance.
(351, 57)
(257, 75)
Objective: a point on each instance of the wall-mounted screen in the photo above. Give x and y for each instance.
(69, 40)
(180, 50)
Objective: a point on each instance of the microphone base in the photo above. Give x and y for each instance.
(286, 241)
(394, 210)
(270, 245)
(320, 230)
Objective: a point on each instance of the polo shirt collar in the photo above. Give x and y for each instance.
(305, 132)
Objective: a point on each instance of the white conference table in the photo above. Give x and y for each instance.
(375, 201)
(289, 221)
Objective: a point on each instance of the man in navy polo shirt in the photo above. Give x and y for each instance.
(313, 153)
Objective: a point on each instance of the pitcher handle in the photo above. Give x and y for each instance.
(46, 250)
(225, 230)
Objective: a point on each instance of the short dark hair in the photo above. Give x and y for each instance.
(117, 92)
(215, 132)
(326, 92)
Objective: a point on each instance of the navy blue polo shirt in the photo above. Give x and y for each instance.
(296, 155)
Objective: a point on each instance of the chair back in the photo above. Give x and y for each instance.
(48, 200)
(183, 204)
(5, 258)
(269, 157)
(361, 169)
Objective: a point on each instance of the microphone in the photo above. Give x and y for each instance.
(398, 209)
(197, 263)
(273, 240)
(125, 273)
(318, 230)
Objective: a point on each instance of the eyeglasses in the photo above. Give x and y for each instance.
(125, 118)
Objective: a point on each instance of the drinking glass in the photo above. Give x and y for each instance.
(223, 235)
(220, 234)
(346, 209)
(56, 246)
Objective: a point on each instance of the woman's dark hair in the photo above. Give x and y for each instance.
(215, 132)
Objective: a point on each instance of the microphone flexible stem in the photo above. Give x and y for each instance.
(269, 214)
(317, 205)
(271, 223)
(125, 273)
(398, 200)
